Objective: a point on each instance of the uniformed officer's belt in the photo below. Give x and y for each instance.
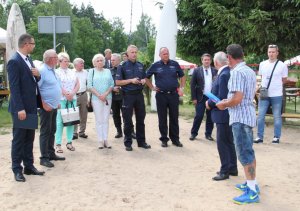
(80, 93)
(167, 92)
(133, 92)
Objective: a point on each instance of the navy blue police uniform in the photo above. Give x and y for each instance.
(167, 98)
(133, 99)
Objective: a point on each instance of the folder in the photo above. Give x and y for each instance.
(31, 121)
(212, 97)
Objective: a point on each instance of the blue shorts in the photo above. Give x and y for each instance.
(243, 141)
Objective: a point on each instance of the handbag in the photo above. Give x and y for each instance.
(70, 115)
(89, 105)
(264, 90)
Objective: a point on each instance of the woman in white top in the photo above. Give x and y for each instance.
(101, 83)
(69, 85)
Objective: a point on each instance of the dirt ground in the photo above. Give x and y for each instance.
(157, 179)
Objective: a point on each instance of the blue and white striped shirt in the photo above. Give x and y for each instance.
(242, 79)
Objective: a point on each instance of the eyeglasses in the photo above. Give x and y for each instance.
(31, 43)
(273, 46)
(100, 60)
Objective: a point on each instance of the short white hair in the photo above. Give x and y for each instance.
(99, 55)
(221, 58)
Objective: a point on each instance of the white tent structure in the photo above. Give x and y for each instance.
(185, 64)
(2, 39)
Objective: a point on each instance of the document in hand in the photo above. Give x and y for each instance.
(212, 97)
(31, 121)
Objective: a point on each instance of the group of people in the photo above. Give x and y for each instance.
(119, 86)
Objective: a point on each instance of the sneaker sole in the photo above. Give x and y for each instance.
(258, 192)
(242, 203)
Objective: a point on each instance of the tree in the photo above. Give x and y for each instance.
(144, 33)
(210, 25)
(3, 17)
(118, 37)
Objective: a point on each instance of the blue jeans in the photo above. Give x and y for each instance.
(243, 141)
(263, 105)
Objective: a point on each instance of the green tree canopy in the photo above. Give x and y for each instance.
(210, 25)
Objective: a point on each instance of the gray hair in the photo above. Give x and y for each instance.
(48, 54)
(221, 58)
(63, 55)
(77, 60)
(107, 51)
(131, 46)
(116, 55)
(99, 55)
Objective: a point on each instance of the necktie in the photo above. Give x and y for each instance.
(206, 72)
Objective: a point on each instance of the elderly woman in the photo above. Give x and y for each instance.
(100, 84)
(69, 85)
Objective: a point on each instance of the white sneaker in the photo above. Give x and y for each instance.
(275, 140)
(258, 140)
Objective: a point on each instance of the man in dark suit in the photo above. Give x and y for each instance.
(107, 55)
(201, 83)
(24, 100)
(221, 118)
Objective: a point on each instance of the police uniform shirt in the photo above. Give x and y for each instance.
(166, 75)
(129, 70)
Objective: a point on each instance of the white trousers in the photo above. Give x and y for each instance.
(101, 112)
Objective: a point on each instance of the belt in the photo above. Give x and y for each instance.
(167, 92)
(132, 92)
(80, 93)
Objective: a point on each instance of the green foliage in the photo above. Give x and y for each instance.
(3, 17)
(210, 25)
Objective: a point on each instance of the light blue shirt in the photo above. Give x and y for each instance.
(49, 87)
(242, 79)
(102, 81)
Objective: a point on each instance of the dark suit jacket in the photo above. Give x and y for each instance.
(22, 85)
(220, 89)
(197, 82)
(107, 64)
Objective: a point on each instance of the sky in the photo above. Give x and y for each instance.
(122, 9)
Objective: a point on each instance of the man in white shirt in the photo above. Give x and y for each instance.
(274, 93)
(81, 98)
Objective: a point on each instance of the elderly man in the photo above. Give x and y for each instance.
(23, 103)
(81, 98)
(241, 91)
(279, 77)
(221, 118)
(107, 55)
(51, 93)
(167, 72)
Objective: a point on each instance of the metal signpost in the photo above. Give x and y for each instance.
(54, 24)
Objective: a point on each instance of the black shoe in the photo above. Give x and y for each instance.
(193, 137)
(133, 135)
(56, 157)
(75, 137)
(231, 173)
(33, 171)
(258, 141)
(19, 177)
(208, 137)
(128, 148)
(83, 135)
(145, 146)
(164, 144)
(221, 177)
(46, 163)
(119, 135)
(178, 144)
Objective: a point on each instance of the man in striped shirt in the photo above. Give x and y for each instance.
(241, 109)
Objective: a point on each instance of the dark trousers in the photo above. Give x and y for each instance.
(168, 102)
(226, 148)
(116, 107)
(21, 149)
(134, 102)
(47, 133)
(200, 109)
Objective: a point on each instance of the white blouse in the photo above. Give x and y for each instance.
(67, 80)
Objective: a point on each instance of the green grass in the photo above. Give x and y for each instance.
(5, 119)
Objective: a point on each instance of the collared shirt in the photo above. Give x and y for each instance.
(82, 77)
(242, 79)
(208, 79)
(166, 75)
(49, 87)
(221, 68)
(25, 59)
(129, 70)
(67, 80)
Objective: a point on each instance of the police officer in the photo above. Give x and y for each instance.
(131, 76)
(167, 72)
